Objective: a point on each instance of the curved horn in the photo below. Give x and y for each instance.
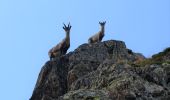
(69, 25)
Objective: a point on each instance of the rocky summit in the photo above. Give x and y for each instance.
(104, 71)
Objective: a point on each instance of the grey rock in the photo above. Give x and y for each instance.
(102, 71)
(52, 80)
(86, 95)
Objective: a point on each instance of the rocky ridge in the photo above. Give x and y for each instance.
(104, 71)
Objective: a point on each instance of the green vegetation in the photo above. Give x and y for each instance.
(97, 98)
(156, 59)
(160, 55)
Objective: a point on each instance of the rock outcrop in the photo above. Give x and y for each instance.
(104, 71)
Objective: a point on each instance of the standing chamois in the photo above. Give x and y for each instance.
(98, 36)
(61, 48)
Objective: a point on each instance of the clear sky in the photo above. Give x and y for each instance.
(29, 28)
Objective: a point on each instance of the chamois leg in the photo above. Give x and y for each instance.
(90, 40)
(54, 55)
(51, 57)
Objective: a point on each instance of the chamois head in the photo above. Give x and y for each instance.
(67, 28)
(102, 23)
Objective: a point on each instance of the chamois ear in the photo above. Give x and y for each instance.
(99, 22)
(104, 22)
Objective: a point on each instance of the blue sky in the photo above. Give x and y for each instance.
(29, 28)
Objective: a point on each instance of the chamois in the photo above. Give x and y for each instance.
(61, 48)
(98, 36)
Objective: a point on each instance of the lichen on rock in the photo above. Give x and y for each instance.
(103, 71)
